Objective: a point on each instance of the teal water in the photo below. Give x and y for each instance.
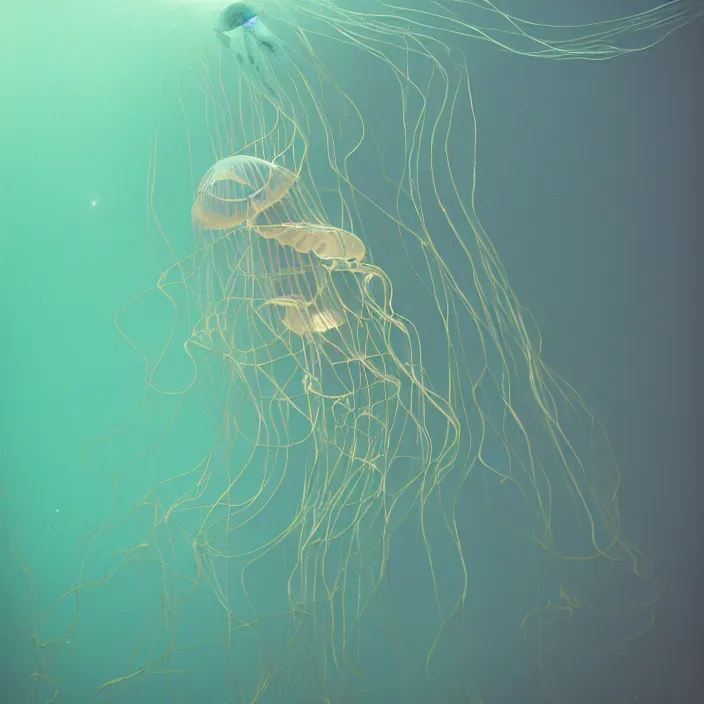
(575, 160)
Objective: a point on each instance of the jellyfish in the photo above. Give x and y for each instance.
(307, 317)
(236, 189)
(377, 436)
(327, 242)
(241, 29)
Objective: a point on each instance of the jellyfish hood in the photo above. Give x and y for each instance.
(240, 29)
(233, 20)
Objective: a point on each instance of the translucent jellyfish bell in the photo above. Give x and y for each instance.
(307, 317)
(325, 241)
(241, 29)
(236, 189)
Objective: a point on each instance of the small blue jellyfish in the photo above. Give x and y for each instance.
(240, 29)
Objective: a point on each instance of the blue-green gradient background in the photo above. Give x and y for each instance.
(590, 183)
